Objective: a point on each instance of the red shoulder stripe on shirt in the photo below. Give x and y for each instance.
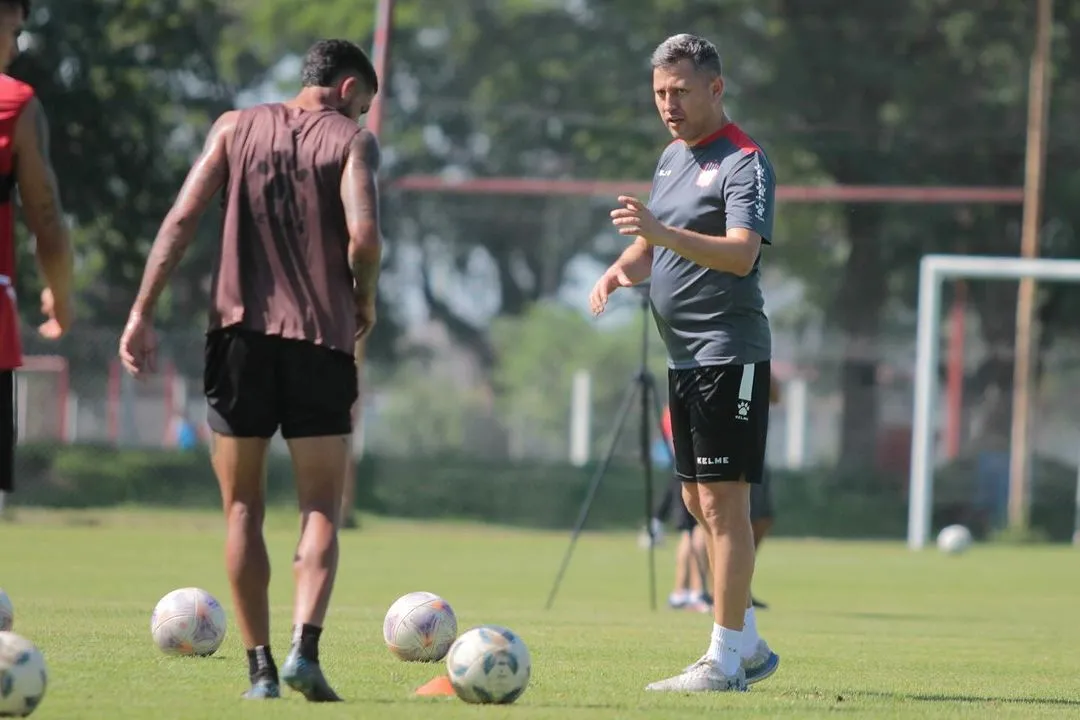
(734, 135)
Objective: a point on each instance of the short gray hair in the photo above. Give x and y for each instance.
(684, 46)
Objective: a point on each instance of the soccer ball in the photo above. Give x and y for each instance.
(419, 627)
(954, 539)
(23, 676)
(489, 664)
(7, 612)
(188, 621)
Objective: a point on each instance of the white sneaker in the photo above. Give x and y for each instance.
(760, 666)
(702, 676)
(657, 538)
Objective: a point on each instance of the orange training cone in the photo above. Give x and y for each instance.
(438, 687)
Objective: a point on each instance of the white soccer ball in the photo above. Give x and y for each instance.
(7, 612)
(419, 627)
(188, 621)
(23, 676)
(954, 539)
(489, 664)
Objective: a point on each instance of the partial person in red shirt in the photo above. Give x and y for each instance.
(25, 167)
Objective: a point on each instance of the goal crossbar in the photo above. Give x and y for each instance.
(933, 271)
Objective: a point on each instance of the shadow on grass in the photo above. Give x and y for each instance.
(951, 698)
(902, 617)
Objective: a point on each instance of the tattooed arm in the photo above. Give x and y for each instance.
(360, 197)
(38, 190)
(205, 179)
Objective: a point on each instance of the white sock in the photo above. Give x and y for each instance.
(750, 635)
(724, 649)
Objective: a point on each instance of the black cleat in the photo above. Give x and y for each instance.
(264, 688)
(306, 678)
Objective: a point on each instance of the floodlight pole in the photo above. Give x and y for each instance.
(1034, 174)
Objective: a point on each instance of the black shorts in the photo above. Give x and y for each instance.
(256, 384)
(761, 499)
(9, 430)
(720, 421)
(684, 521)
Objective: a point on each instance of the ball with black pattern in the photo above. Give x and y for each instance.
(489, 664)
(23, 676)
(7, 612)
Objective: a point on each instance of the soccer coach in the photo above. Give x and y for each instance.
(700, 238)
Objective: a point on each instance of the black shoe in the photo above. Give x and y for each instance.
(306, 678)
(264, 688)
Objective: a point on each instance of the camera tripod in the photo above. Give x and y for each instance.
(643, 387)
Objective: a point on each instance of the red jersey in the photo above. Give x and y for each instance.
(14, 96)
(665, 423)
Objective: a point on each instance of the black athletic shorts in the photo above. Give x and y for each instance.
(684, 521)
(256, 384)
(9, 430)
(719, 421)
(761, 498)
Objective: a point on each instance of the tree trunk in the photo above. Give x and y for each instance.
(859, 303)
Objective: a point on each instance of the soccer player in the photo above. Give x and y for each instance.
(293, 292)
(691, 566)
(25, 164)
(761, 509)
(700, 238)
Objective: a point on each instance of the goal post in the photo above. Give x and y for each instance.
(933, 271)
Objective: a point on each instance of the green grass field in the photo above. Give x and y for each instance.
(864, 630)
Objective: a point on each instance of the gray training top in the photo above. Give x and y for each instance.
(708, 317)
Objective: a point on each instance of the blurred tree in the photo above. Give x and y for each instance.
(129, 88)
(539, 353)
(473, 93)
(915, 93)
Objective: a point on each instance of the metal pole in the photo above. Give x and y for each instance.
(796, 422)
(1038, 106)
(921, 488)
(1076, 512)
(380, 52)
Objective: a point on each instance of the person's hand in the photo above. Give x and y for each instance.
(633, 218)
(608, 283)
(365, 318)
(59, 314)
(138, 346)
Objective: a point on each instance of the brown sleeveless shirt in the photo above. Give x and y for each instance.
(283, 267)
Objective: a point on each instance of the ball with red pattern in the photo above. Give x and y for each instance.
(420, 627)
(188, 621)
